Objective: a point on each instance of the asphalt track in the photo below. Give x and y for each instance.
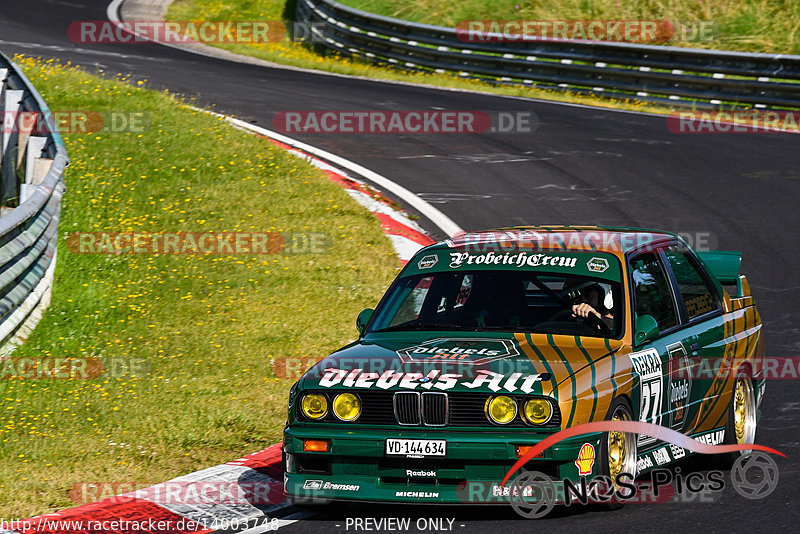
(580, 166)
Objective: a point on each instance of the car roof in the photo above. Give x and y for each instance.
(613, 239)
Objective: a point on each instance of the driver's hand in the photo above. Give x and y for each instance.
(583, 310)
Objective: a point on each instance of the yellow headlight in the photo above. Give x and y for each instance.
(315, 406)
(346, 407)
(538, 411)
(501, 409)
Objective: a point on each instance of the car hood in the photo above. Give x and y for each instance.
(497, 363)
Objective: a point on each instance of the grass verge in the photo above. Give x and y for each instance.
(743, 25)
(203, 330)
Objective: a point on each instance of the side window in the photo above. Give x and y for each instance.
(651, 290)
(696, 293)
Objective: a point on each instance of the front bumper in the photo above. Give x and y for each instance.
(357, 468)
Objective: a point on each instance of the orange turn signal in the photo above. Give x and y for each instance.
(522, 449)
(315, 445)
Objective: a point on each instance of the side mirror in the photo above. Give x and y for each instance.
(363, 320)
(646, 329)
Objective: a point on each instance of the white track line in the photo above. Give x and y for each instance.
(112, 11)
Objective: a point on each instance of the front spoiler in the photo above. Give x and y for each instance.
(359, 470)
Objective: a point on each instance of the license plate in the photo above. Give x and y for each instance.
(416, 448)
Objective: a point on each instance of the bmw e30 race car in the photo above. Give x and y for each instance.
(478, 351)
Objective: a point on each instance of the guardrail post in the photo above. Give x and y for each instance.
(9, 188)
(36, 167)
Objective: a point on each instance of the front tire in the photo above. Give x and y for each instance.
(618, 450)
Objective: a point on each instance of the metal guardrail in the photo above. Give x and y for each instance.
(624, 70)
(31, 187)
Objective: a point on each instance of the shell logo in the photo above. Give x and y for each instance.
(585, 460)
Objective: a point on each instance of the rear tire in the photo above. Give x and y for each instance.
(740, 425)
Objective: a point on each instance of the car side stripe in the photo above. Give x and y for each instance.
(726, 355)
(711, 408)
(746, 352)
(556, 363)
(553, 378)
(552, 343)
(732, 357)
(535, 357)
(701, 409)
(613, 368)
(594, 376)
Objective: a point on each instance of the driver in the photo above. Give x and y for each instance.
(590, 301)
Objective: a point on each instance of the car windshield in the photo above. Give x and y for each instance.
(501, 300)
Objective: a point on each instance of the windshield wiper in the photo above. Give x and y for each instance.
(423, 326)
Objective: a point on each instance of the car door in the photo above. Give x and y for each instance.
(653, 295)
(693, 391)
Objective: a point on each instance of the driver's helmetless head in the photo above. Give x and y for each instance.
(592, 295)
